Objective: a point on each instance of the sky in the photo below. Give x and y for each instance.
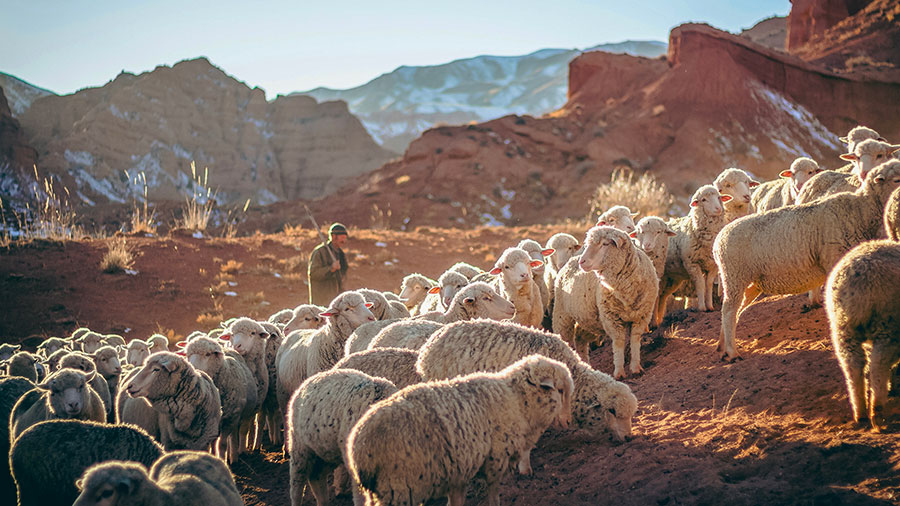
(287, 46)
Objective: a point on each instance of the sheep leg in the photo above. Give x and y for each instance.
(751, 293)
(710, 281)
(456, 497)
(852, 359)
(637, 330)
(246, 429)
(666, 290)
(815, 296)
(699, 279)
(882, 358)
(617, 333)
(730, 307)
(341, 480)
(272, 427)
(524, 464)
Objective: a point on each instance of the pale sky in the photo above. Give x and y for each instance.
(284, 46)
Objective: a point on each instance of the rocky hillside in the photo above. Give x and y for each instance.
(159, 122)
(17, 158)
(718, 101)
(20, 94)
(398, 106)
(770, 32)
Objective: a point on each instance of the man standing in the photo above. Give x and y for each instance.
(328, 267)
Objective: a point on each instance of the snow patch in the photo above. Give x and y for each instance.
(79, 157)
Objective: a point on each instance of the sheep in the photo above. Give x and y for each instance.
(651, 234)
(362, 336)
(306, 316)
(182, 477)
(477, 300)
(186, 399)
(600, 403)
(53, 359)
(892, 216)
(538, 252)
(158, 342)
(564, 247)
(76, 335)
(394, 364)
(22, 365)
(65, 394)
(113, 340)
(90, 342)
(398, 309)
(619, 217)
(52, 344)
(858, 134)
(249, 339)
(269, 412)
(85, 363)
(466, 269)
(106, 358)
(865, 156)
(739, 185)
(408, 334)
(862, 301)
(319, 350)
(44, 479)
(429, 440)
(413, 290)
(381, 308)
(784, 191)
(690, 251)
(439, 297)
(10, 391)
(516, 283)
(136, 410)
(281, 318)
(792, 249)
(237, 391)
(138, 351)
(322, 412)
(7, 350)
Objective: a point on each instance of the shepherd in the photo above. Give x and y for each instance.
(327, 267)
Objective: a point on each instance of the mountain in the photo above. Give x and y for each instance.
(398, 106)
(770, 32)
(160, 121)
(20, 94)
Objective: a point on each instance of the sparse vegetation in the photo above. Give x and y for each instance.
(231, 267)
(142, 220)
(50, 218)
(199, 206)
(642, 194)
(118, 257)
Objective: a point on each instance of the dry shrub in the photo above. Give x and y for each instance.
(142, 219)
(210, 320)
(231, 267)
(118, 257)
(198, 208)
(644, 194)
(50, 218)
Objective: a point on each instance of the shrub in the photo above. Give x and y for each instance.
(645, 195)
(118, 257)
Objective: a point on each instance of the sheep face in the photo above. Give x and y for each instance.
(802, 170)
(138, 352)
(859, 134)
(379, 303)
(884, 179)
(602, 245)
(708, 200)
(157, 343)
(110, 483)
(154, 380)
(282, 317)
(650, 233)
(868, 154)
(246, 335)
(352, 308)
(68, 392)
(90, 342)
(619, 217)
(78, 361)
(7, 350)
(612, 411)
(564, 247)
(451, 283)
(481, 300)
(107, 361)
(51, 345)
(737, 184)
(305, 317)
(515, 266)
(413, 291)
(547, 381)
(113, 340)
(205, 354)
(536, 251)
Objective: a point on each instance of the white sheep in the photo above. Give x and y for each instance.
(186, 400)
(52, 344)
(180, 477)
(619, 217)
(136, 411)
(11, 389)
(690, 251)
(381, 307)
(249, 339)
(784, 191)
(65, 394)
(865, 156)
(305, 316)
(414, 289)
(22, 365)
(319, 350)
(237, 391)
(564, 246)
(792, 249)
(477, 300)
(7, 350)
(363, 335)
(863, 300)
(48, 458)
(86, 364)
(113, 340)
(600, 404)
(158, 342)
(652, 234)
(322, 413)
(858, 134)
(516, 283)
(739, 185)
(541, 253)
(466, 269)
(90, 342)
(407, 334)
(269, 411)
(439, 297)
(429, 440)
(106, 359)
(281, 318)
(138, 352)
(394, 364)
(892, 216)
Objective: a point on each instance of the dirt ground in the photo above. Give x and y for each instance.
(773, 428)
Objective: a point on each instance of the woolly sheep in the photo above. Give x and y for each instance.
(413, 290)
(408, 334)
(186, 400)
(90, 342)
(429, 440)
(466, 269)
(182, 477)
(600, 403)
(538, 252)
(690, 251)
(45, 479)
(381, 308)
(865, 156)
(53, 359)
(138, 351)
(362, 336)
(113, 340)
(305, 316)
(784, 191)
(619, 217)
(319, 350)
(477, 300)
(237, 391)
(515, 281)
(651, 234)
(282, 317)
(858, 134)
(323, 411)
(7, 350)
(737, 184)
(136, 410)
(158, 342)
(792, 249)
(249, 339)
(52, 344)
(892, 216)
(106, 358)
(439, 297)
(11, 389)
(85, 363)
(394, 364)
(22, 365)
(863, 301)
(564, 247)
(76, 335)
(65, 394)
(269, 411)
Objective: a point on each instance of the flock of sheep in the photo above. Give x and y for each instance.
(408, 397)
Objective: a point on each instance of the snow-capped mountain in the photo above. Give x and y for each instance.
(20, 94)
(398, 106)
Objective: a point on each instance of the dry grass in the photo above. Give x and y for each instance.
(644, 194)
(142, 219)
(198, 208)
(51, 218)
(231, 267)
(118, 257)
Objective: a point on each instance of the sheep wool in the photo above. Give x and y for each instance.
(10, 391)
(477, 300)
(865, 156)
(393, 364)
(892, 216)
(413, 290)
(784, 191)
(65, 394)
(514, 279)
(737, 184)
(363, 335)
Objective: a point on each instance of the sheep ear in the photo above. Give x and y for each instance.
(600, 223)
(495, 271)
(893, 149)
(617, 240)
(536, 263)
(168, 365)
(694, 203)
(181, 344)
(369, 305)
(634, 215)
(434, 289)
(754, 184)
(845, 140)
(329, 312)
(224, 337)
(547, 252)
(181, 353)
(725, 198)
(633, 235)
(849, 157)
(469, 300)
(670, 233)
(785, 173)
